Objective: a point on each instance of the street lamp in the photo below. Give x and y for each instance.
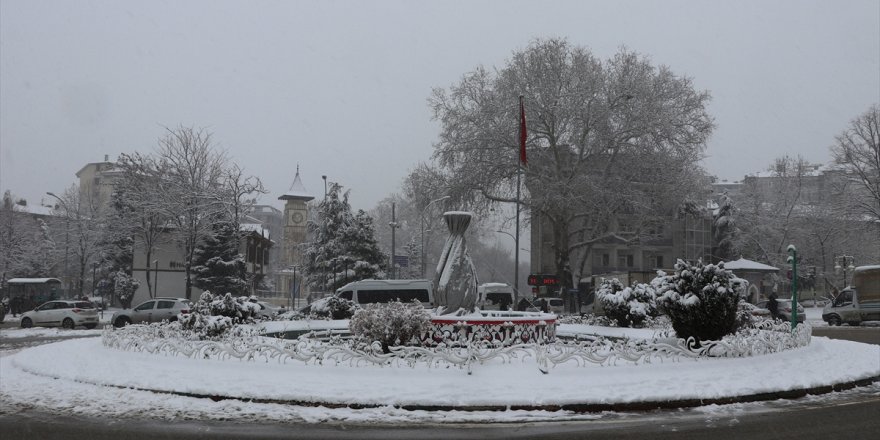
(425, 210)
(156, 278)
(394, 225)
(844, 263)
(66, 239)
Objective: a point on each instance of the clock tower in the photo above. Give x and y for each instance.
(296, 215)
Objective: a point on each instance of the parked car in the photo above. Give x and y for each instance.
(555, 305)
(784, 309)
(154, 310)
(67, 314)
(268, 310)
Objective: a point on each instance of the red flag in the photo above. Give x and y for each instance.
(522, 132)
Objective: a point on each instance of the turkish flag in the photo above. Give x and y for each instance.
(522, 132)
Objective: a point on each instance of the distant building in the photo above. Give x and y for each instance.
(166, 269)
(688, 237)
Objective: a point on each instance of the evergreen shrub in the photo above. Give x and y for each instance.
(628, 306)
(700, 300)
(390, 324)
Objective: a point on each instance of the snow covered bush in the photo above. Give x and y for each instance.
(628, 306)
(332, 307)
(213, 316)
(700, 300)
(205, 326)
(391, 324)
(124, 286)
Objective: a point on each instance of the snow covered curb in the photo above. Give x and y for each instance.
(819, 366)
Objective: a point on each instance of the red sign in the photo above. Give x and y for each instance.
(543, 280)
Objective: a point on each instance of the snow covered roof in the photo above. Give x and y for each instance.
(33, 281)
(743, 264)
(36, 210)
(297, 190)
(254, 227)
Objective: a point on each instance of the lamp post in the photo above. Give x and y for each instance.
(156, 277)
(425, 210)
(844, 262)
(95, 283)
(792, 258)
(66, 239)
(394, 225)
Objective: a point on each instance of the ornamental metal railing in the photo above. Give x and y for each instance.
(170, 340)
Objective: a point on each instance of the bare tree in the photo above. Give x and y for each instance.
(140, 207)
(857, 150)
(193, 172)
(592, 125)
(26, 244)
(82, 216)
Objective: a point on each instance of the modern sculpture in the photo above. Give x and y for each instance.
(455, 281)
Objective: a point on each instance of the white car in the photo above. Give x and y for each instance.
(154, 310)
(67, 314)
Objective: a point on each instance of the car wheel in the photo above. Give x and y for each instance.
(68, 324)
(122, 321)
(27, 323)
(833, 320)
(90, 326)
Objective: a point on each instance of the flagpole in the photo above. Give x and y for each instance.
(519, 165)
(516, 239)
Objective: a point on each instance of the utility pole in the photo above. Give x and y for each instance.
(394, 226)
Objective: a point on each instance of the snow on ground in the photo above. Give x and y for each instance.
(46, 332)
(34, 376)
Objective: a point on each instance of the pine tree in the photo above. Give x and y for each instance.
(413, 250)
(219, 267)
(344, 248)
(725, 229)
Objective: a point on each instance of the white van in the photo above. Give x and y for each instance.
(383, 291)
(495, 296)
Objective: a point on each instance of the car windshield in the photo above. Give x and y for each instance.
(84, 305)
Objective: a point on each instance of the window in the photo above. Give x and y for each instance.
(384, 296)
(165, 305)
(625, 260)
(655, 261)
(606, 260)
(84, 305)
(47, 306)
(845, 298)
(146, 306)
(346, 295)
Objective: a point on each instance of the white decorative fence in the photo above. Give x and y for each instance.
(169, 340)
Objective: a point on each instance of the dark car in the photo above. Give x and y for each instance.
(784, 309)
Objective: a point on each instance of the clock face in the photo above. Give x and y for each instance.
(296, 218)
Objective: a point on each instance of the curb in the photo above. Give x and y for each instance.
(642, 406)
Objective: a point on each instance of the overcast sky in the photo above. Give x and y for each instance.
(340, 87)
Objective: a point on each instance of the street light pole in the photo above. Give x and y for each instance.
(424, 254)
(394, 226)
(844, 262)
(66, 239)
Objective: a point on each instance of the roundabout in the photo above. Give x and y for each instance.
(87, 377)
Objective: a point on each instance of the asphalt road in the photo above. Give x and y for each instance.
(852, 414)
